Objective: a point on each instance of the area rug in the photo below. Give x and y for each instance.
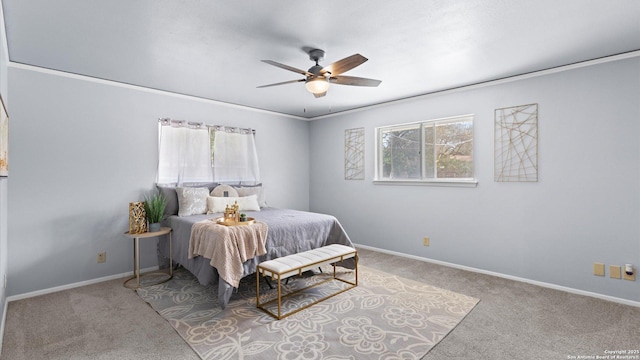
(385, 317)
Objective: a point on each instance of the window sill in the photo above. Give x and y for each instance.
(448, 182)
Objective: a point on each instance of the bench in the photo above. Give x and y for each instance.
(295, 264)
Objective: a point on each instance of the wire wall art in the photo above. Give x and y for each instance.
(516, 144)
(354, 154)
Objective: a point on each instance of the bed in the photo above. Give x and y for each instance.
(289, 232)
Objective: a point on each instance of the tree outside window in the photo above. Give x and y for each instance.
(430, 150)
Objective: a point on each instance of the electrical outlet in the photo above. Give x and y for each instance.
(598, 269)
(631, 277)
(425, 241)
(614, 272)
(102, 257)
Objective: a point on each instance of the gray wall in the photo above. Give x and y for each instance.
(585, 208)
(4, 59)
(82, 150)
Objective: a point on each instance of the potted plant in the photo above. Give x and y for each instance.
(154, 208)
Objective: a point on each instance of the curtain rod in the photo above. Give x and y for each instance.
(199, 125)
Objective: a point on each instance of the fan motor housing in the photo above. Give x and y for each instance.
(315, 69)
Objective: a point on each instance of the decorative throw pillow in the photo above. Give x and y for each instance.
(220, 189)
(217, 204)
(169, 192)
(211, 185)
(257, 190)
(192, 201)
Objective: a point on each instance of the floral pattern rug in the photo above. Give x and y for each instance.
(384, 317)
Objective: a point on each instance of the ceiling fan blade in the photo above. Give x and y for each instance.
(281, 83)
(320, 94)
(354, 81)
(344, 65)
(287, 67)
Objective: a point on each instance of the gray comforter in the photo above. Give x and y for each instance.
(290, 232)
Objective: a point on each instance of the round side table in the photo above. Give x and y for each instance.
(136, 259)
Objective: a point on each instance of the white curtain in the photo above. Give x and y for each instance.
(183, 153)
(235, 159)
(193, 153)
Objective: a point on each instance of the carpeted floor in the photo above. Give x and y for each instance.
(384, 317)
(513, 320)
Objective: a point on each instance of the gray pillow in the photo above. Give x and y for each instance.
(172, 199)
(248, 190)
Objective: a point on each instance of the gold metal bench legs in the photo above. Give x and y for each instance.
(278, 277)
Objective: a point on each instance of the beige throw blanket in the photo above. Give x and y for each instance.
(228, 246)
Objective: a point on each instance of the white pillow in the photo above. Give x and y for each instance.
(218, 204)
(192, 201)
(220, 189)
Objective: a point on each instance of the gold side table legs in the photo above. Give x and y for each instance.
(163, 276)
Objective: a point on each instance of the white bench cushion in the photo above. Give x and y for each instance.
(294, 264)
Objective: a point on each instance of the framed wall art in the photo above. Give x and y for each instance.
(354, 154)
(516, 144)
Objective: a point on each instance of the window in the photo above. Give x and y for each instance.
(193, 153)
(435, 151)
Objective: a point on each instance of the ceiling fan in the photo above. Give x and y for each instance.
(318, 78)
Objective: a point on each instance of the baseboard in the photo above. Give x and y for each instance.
(74, 285)
(4, 318)
(504, 276)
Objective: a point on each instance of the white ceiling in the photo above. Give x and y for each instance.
(212, 49)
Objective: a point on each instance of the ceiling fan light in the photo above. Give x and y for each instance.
(317, 85)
